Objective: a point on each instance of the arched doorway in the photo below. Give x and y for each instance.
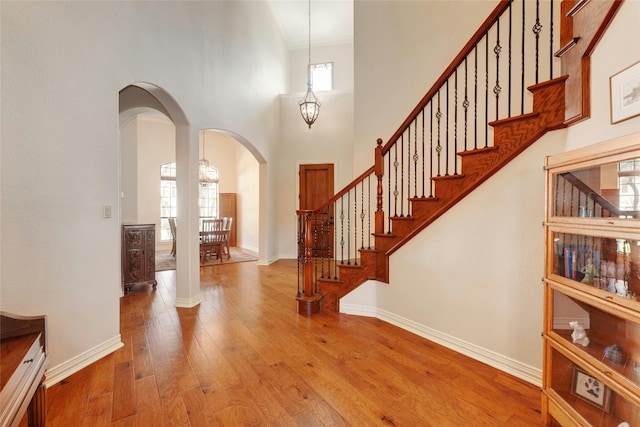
(144, 97)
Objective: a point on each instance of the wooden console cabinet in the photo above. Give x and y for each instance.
(591, 373)
(138, 255)
(23, 359)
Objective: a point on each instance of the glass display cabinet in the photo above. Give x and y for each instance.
(591, 374)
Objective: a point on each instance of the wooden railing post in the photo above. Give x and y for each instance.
(379, 171)
(310, 301)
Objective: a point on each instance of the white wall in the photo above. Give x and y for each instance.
(247, 199)
(472, 279)
(401, 48)
(63, 65)
(156, 142)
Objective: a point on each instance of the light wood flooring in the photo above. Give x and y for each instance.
(244, 357)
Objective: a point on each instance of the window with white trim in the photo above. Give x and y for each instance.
(208, 197)
(321, 76)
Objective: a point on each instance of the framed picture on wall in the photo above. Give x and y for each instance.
(590, 389)
(624, 90)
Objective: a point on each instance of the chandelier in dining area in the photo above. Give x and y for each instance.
(206, 177)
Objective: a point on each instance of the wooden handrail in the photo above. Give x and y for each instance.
(346, 189)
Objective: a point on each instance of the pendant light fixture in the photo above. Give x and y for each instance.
(205, 176)
(309, 105)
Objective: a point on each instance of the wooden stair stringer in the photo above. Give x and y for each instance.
(511, 137)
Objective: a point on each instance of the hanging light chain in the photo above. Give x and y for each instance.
(309, 105)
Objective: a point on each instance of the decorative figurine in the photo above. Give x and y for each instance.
(579, 335)
(615, 354)
(621, 287)
(589, 271)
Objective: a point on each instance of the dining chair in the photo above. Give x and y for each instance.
(211, 239)
(227, 223)
(172, 227)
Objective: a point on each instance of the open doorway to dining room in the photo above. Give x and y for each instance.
(230, 190)
(149, 192)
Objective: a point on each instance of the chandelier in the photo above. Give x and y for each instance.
(309, 105)
(206, 178)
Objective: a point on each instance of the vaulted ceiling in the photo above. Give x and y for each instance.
(331, 21)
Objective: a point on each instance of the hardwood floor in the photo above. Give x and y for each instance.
(244, 357)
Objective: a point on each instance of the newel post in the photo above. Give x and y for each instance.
(379, 171)
(309, 300)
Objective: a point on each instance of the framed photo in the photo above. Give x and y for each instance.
(590, 389)
(624, 88)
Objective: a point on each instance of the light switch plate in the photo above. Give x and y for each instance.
(106, 211)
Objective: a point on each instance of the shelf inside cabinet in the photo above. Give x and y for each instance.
(628, 370)
(604, 329)
(601, 190)
(587, 396)
(605, 266)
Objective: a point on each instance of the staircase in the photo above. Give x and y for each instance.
(463, 131)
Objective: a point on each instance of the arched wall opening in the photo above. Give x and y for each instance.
(153, 103)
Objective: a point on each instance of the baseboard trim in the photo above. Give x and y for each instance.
(520, 370)
(188, 302)
(66, 369)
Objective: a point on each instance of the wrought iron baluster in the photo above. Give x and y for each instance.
(509, 63)
(395, 182)
(355, 223)
(408, 169)
(342, 230)
(322, 243)
(423, 159)
(369, 211)
(537, 28)
(415, 158)
(455, 123)
(486, 88)
(389, 193)
(446, 129)
(551, 40)
(315, 251)
(439, 145)
(431, 148)
(496, 50)
(348, 229)
(522, 61)
(401, 175)
(475, 98)
(465, 103)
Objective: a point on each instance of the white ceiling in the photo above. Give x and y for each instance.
(331, 21)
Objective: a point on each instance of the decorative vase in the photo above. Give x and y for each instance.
(615, 354)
